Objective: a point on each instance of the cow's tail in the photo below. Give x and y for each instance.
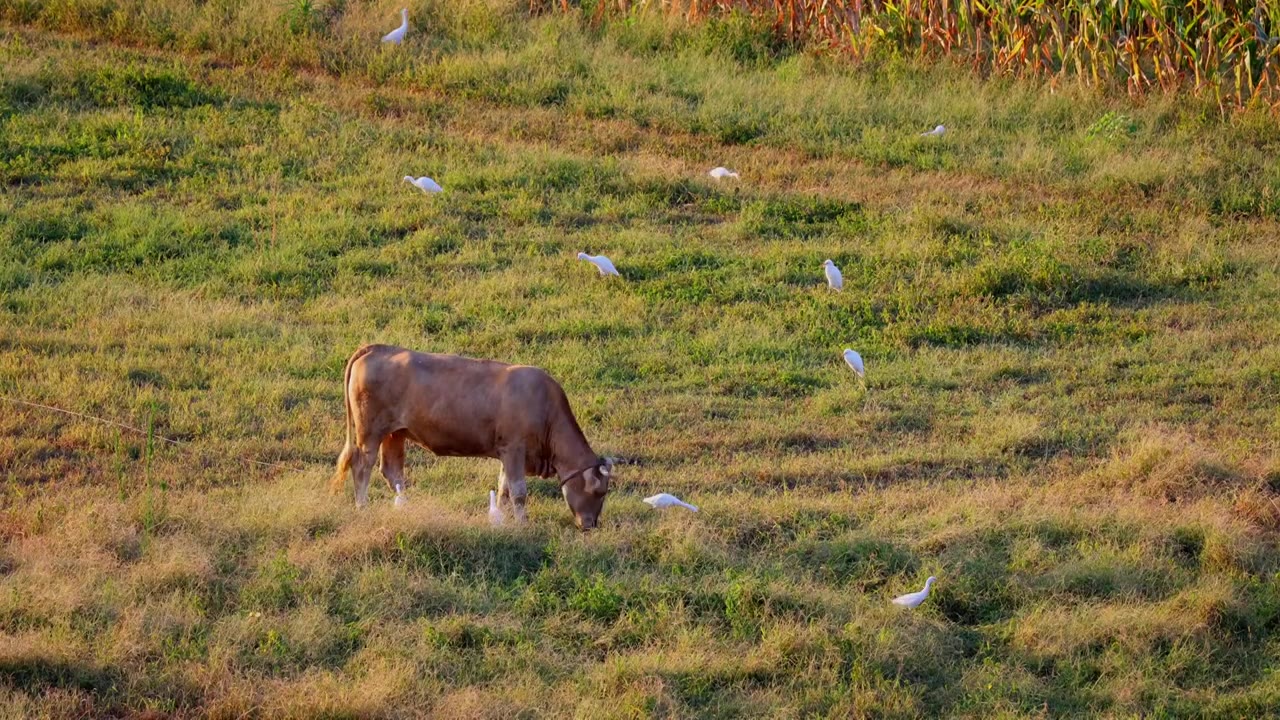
(344, 460)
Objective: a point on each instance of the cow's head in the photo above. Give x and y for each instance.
(585, 491)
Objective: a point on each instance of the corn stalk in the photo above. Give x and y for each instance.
(1227, 48)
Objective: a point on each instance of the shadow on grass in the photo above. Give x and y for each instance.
(105, 87)
(858, 559)
(38, 674)
(473, 553)
(798, 443)
(767, 481)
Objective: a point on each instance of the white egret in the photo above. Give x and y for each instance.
(396, 36)
(855, 362)
(834, 278)
(495, 513)
(602, 263)
(665, 500)
(913, 600)
(424, 183)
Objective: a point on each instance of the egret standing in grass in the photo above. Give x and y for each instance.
(602, 263)
(834, 278)
(424, 183)
(721, 173)
(855, 362)
(913, 600)
(936, 132)
(666, 500)
(395, 37)
(495, 513)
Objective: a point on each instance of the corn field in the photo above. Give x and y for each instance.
(1222, 47)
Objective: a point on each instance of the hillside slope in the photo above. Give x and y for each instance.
(1067, 306)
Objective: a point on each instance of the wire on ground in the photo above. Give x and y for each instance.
(140, 431)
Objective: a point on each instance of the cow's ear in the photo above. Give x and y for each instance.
(597, 479)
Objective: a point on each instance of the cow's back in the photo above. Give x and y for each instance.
(455, 405)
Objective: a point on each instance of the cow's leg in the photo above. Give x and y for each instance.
(393, 461)
(362, 459)
(365, 434)
(504, 492)
(512, 478)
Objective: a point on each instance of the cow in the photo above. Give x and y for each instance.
(457, 406)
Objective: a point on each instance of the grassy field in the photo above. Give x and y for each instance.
(1069, 308)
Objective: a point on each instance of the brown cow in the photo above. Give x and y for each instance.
(461, 407)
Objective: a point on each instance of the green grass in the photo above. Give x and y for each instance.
(1067, 306)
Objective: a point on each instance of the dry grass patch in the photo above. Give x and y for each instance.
(1168, 466)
